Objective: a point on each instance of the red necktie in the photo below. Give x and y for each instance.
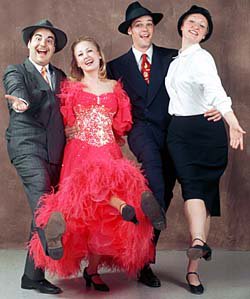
(44, 74)
(145, 68)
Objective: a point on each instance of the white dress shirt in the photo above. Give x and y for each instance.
(39, 68)
(193, 84)
(138, 55)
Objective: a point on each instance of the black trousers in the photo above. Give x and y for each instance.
(37, 176)
(148, 144)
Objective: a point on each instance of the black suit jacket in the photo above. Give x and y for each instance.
(39, 130)
(149, 103)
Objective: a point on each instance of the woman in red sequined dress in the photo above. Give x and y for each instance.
(103, 198)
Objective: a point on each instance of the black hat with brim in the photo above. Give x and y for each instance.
(194, 10)
(134, 11)
(60, 36)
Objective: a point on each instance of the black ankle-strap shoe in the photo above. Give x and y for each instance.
(128, 213)
(199, 251)
(199, 289)
(97, 286)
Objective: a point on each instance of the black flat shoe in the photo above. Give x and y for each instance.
(128, 213)
(54, 230)
(153, 211)
(199, 251)
(97, 286)
(43, 286)
(147, 277)
(199, 289)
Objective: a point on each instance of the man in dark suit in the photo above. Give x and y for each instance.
(143, 78)
(149, 107)
(35, 135)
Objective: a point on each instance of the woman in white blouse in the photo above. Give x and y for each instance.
(198, 147)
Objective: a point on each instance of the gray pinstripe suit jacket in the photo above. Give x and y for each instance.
(39, 130)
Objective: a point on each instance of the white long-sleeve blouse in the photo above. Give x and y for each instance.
(193, 84)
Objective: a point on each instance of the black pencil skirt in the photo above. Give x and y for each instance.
(199, 149)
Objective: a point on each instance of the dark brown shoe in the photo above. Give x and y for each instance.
(153, 211)
(54, 231)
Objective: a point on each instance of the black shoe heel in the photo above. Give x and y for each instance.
(88, 282)
(128, 213)
(208, 256)
(88, 278)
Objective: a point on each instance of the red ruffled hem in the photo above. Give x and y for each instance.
(92, 225)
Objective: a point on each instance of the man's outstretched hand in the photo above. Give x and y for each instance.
(17, 104)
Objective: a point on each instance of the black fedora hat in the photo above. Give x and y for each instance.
(60, 36)
(134, 11)
(193, 10)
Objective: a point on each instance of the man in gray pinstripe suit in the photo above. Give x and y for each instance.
(35, 135)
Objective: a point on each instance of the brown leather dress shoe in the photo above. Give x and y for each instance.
(54, 230)
(43, 286)
(153, 211)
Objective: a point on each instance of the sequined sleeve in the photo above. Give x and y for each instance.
(122, 121)
(67, 99)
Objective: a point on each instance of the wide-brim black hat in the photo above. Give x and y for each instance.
(134, 11)
(60, 36)
(193, 10)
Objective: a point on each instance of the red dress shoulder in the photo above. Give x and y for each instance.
(68, 95)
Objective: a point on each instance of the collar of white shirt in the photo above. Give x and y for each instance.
(39, 67)
(189, 50)
(138, 55)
